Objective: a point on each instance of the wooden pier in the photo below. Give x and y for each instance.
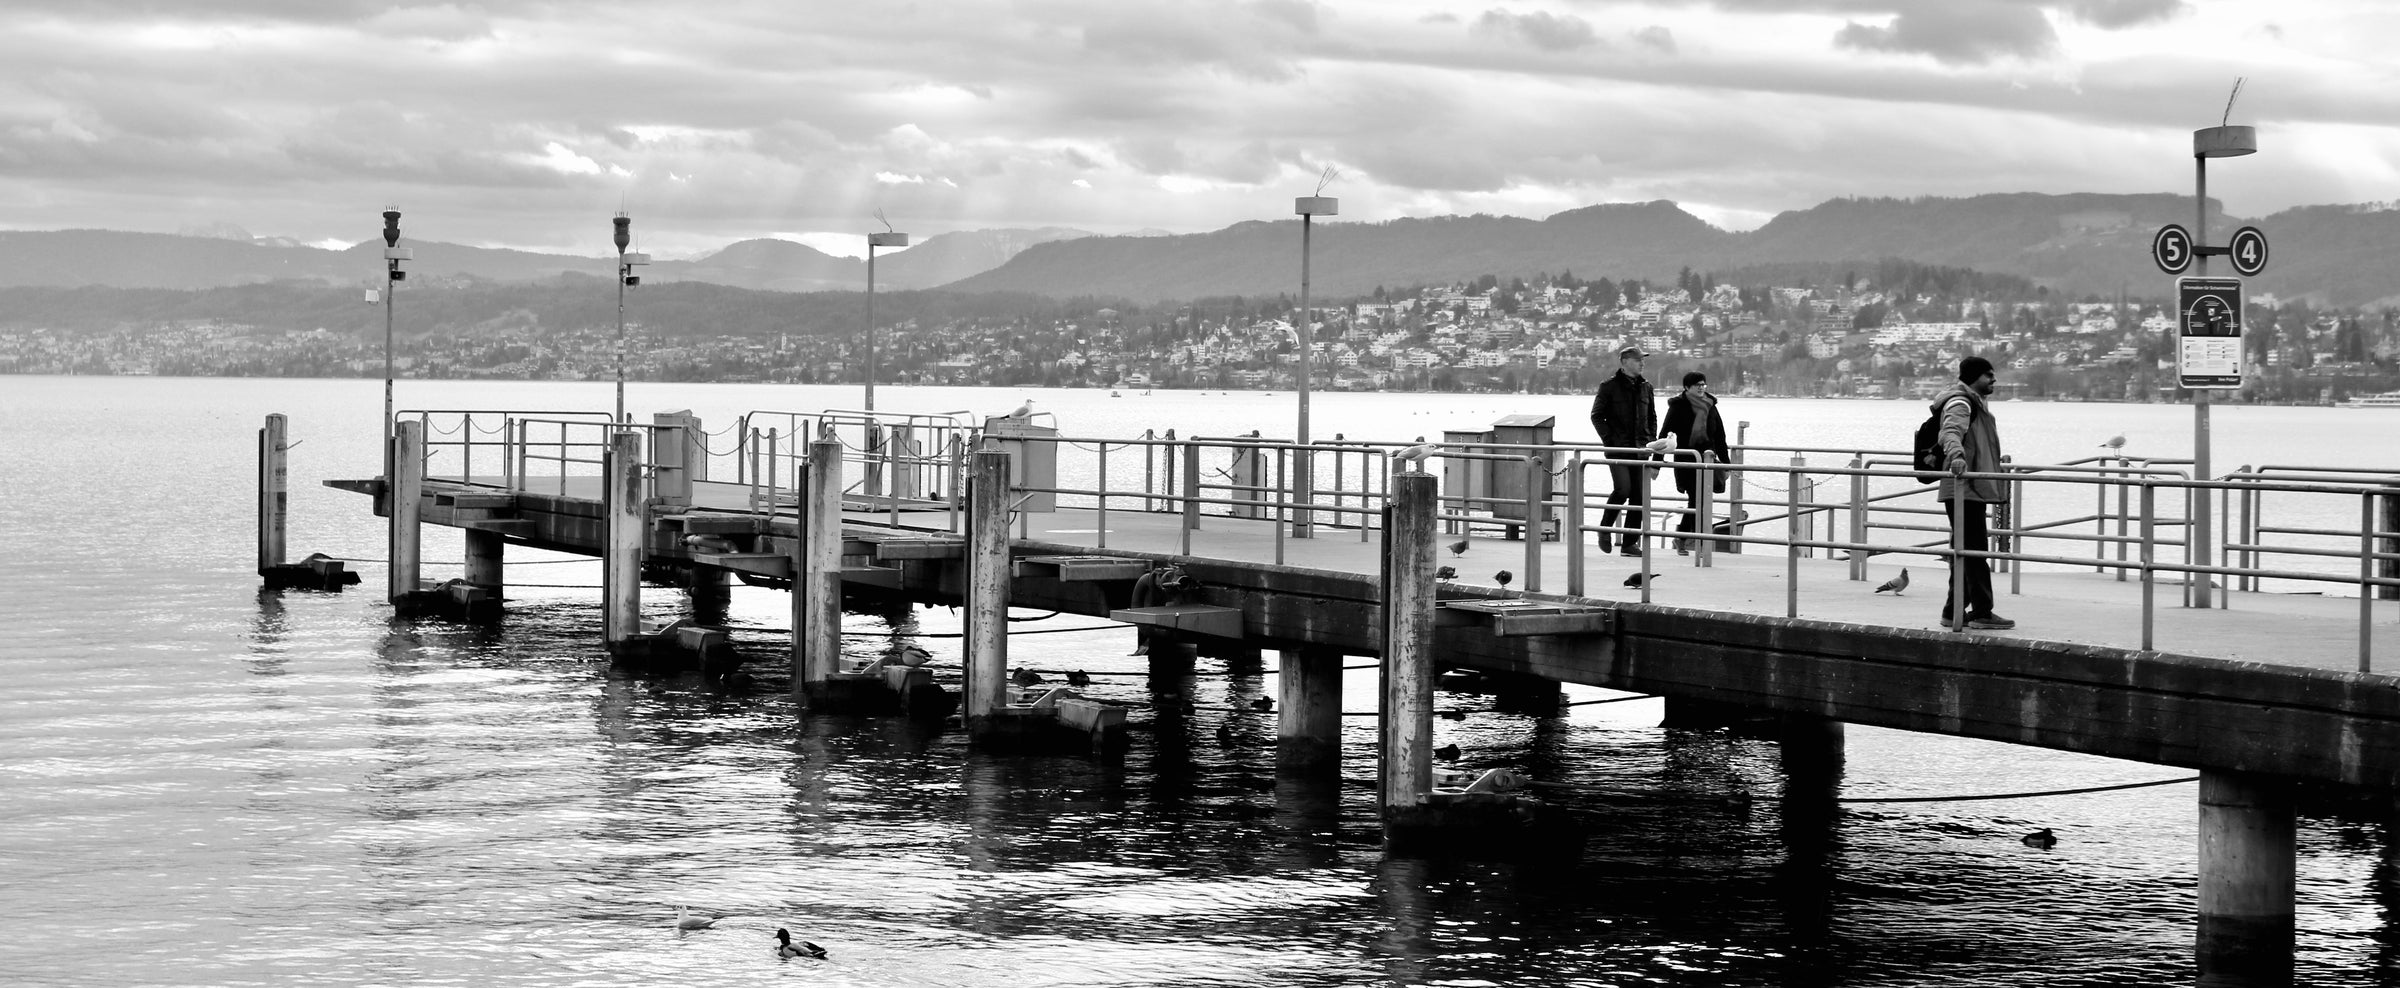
(2260, 694)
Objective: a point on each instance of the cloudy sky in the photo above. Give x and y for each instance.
(526, 123)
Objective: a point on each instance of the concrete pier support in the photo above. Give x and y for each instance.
(621, 555)
(274, 492)
(484, 552)
(2247, 880)
(817, 573)
(1812, 749)
(1308, 726)
(987, 589)
(406, 491)
(1408, 645)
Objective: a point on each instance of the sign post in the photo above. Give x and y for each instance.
(2200, 354)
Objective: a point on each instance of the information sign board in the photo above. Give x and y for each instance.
(2208, 332)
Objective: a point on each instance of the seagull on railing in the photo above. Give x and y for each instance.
(1415, 454)
(2115, 442)
(1024, 411)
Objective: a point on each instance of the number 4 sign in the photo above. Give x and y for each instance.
(2248, 249)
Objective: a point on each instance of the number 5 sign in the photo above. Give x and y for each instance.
(2249, 250)
(2172, 248)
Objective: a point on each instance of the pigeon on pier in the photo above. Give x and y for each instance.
(1503, 577)
(1025, 678)
(1446, 573)
(2042, 838)
(1458, 548)
(786, 948)
(1635, 580)
(1078, 677)
(1895, 584)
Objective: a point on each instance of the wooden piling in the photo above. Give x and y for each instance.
(2247, 880)
(817, 574)
(407, 490)
(1308, 726)
(621, 553)
(1408, 644)
(484, 553)
(987, 587)
(274, 492)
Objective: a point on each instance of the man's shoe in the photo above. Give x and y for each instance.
(1605, 545)
(1630, 549)
(1990, 622)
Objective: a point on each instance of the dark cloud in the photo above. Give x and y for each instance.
(2118, 14)
(1958, 31)
(1541, 29)
(1656, 37)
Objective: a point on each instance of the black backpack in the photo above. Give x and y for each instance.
(1931, 464)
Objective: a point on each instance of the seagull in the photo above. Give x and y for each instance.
(2042, 838)
(684, 920)
(1078, 677)
(1635, 580)
(1504, 576)
(1447, 753)
(912, 656)
(1458, 548)
(1024, 677)
(1415, 454)
(1262, 704)
(1895, 584)
(1446, 573)
(2115, 442)
(1024, 411)
(785, 948)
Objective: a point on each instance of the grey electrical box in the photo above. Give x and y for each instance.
(1032, 461)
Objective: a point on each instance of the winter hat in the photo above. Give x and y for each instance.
(1972, 368)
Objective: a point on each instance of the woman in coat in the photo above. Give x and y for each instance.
(1699, 432)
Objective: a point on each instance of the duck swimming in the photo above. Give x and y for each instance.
(2042, 838)
(786, 948)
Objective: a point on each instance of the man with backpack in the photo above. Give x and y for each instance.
(1625, 414)
(1969, 442)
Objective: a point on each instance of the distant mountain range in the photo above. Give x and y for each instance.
(2078, 244)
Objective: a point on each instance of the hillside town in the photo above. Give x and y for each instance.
(1554, 334)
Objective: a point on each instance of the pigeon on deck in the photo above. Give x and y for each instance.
(1895, 584)
(1503, 577)
(1458, 548)
(1446, 573)
(1635, 579)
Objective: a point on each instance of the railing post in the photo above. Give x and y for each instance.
(1282, 502)
(1641, 479)
(1570, 526)
(1103, 495)
(1149, 470)
(2149, 557)
(1704, 523)
(1858, 517)
(1535, 473)
(1191, 493)
(2121, 520)
(1791, 536)
(2366, 572)
(2389, 568)
(524, 453)
(1737, 501)
(1958, 564)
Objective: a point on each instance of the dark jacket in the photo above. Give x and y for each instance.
(1968, 431)
(1679, 424)
(1625, 412)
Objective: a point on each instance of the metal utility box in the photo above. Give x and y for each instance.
(1513, 484)
(1465, 478)
(1033, 458)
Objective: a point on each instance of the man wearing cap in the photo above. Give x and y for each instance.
(1971, 442)
(1625, 414)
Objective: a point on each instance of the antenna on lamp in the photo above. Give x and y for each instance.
(887, 224)
(1327, 178)
(2236, 94)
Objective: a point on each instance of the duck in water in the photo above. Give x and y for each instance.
(2042, 838)
(786, 948)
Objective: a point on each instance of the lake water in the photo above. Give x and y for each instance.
(204, 784)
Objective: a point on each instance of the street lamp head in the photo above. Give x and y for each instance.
(887, 239)
(624, 235)
(2224, 142)
(391, 228)
(1316, 206)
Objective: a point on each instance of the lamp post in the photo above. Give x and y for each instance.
(1309, 208)
(2207, 142)
(874, 240)
(393, 254)
(625, 278)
